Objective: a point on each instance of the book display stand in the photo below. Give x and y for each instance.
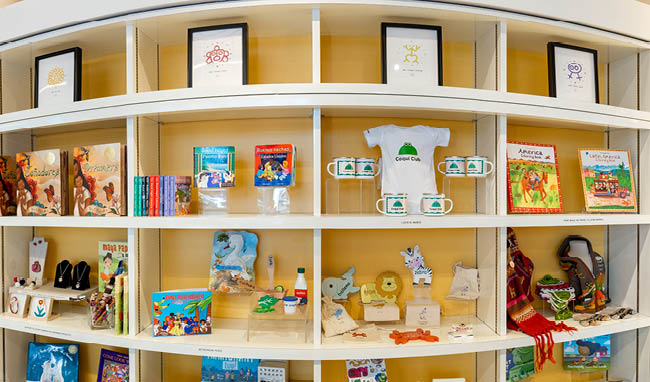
(273, 200)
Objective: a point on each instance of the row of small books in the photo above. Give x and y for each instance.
(243, 369)
(35, 183)
(60, 362)
(275, 166)
(162, 195)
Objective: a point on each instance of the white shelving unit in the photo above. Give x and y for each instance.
(143, 107)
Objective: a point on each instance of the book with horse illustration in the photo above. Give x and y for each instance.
(533, 178)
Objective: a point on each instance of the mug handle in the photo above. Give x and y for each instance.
(451, 206)
(377, 205)
(421, 209)
(379, 166)
(439, 170)
(491, 167)
(328, 168)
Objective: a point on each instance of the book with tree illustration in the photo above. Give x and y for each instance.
(7, 186)
(183, 312)
(98, 182)
(42, 183)
(607, 180)
(233, 257)
(533, 178)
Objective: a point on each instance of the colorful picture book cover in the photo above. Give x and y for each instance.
(233, 257)
(214, 167)
(97, 181)
(182, 195)
(589, 354)
(39, 190)
(52, 362)
(113, 261)
(275, 165)
(366, 370)
(183, 312)
(7, 186)
(113, 367)
(217, 369)
(533, 178)
(520, 363)
(607, 180)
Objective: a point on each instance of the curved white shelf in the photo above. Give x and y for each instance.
(292, 100)
(306, 221)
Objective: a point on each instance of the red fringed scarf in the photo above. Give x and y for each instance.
(521, 314)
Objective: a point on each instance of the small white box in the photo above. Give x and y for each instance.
(381, 312)
(423, 314)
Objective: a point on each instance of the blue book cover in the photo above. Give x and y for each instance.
(275, 165)
(161, 193)
(52, 362)
(113, 367)
(589, 354)
(217, 369)
(182, 312)
(214, 167)
(232, 262)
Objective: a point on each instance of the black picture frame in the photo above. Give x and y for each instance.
(552, 84)
(77, 72)
(242, 26)
(386, 25)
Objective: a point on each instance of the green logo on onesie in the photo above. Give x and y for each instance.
(407, 153)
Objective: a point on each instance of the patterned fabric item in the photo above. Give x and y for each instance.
(521, 314)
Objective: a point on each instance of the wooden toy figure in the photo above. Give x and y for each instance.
(415, 262)
(340, 287)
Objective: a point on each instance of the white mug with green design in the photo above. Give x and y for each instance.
(365, 168)
(434, 205)
(394, 204)
(477, 166)
(454, 166)
(344, 168)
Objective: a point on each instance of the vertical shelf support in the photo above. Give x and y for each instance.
(316, 118)
(315, 45)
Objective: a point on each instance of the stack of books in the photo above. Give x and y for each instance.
(162, 195)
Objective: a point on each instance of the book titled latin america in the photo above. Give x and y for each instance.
(182, 312)
(275, 165)
(41, 187)
(113, 367)
(533, 178)
(214, 167)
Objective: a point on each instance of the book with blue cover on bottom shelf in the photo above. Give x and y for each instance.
(218, 369)
(113, 367)
(52, 362)
(183, 312)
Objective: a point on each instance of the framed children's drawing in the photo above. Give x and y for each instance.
(58, 77)
(217, 55)
(411, 54)
(572, 72)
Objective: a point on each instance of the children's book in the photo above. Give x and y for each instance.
(217, 369)
(589, 354)
(233, 257)
(113, 261)
(183, 312)
(520, 363)
(113, 367)
(366, 370)
(182, 195)
(52, 362)
(275, 165)
(214, 167)
(533, 178)
(607, 180)
(7, 186)
(98, 182)
(41, 183)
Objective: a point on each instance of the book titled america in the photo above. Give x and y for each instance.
(41, 183)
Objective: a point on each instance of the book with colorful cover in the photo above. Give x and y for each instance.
(113, 367)
(520, 363)
(113, 261)
(218, 369)
(52, 362)
(366, 370)
(589, 354)
(183, 312)
(232, 263)
(275, 165)
(119, 303)
(41, 187)
(533, 178)
(182, 195)
(125, 308)
(7, 186)
(214, 167)
(607, 180)
(98, 181)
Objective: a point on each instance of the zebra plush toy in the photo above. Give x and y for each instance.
(415, 262)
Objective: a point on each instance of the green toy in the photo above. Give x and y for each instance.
(266, 304)
(558, 293)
